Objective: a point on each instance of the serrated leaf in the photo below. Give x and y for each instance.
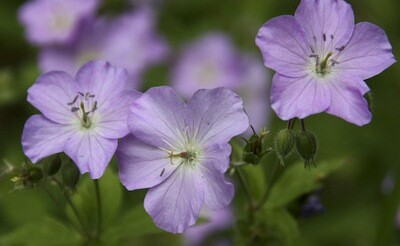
(297, 180)
(49, 231)
(85, 200)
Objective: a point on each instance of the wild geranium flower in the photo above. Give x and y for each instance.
(82, 117)
(180, 151)
(322, 59)
(55, 21)
(213, 61)
(129, 41)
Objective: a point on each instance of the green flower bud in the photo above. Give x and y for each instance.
(284, 143)
(26, 177)
(70, 174)
(306, 146)
(253, 150)
(51, 167)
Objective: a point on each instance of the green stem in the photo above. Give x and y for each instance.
(303, 125)
(98, 205)
(74, 209)
(246, 187)
(61, 208)
(265, 196)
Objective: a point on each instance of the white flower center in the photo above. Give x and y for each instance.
(79, 106)
(324, 55)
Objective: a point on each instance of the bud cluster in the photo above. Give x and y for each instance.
(30, 175)
(305, 142)
(253, 151)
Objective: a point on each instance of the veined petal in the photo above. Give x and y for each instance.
(217, 116)
(299, 97)
(175, 204)
(102, 80)
(142, 165)
(90, 152)
(113, 117)
(42, 137)
(326, 23)
(158, 117)
(51, 94)
(284, 46)
(218, 193)
(347, 101)
(368, 52)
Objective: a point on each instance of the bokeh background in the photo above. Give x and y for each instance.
(361, 199)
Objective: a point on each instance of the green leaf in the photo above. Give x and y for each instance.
(49, 231)
(282, 224)
(85, 200)
(132, 224)
(297, 180)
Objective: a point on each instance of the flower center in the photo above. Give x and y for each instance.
(79, 106)
(186, 157)
(325, 54)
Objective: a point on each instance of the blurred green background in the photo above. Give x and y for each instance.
(357, 212)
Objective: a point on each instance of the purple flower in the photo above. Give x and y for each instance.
(180, 151)
(82, 117)
(213, 61)
(216, 221)
(322, 59)
(129, 41)
(50, 22)
(312, 206)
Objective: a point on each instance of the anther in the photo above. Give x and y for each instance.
(324, 37)
(74, 109)
(162, 172)
(312, 50)
(80, 93)
(73, 101)
(332, 37)
(314, 55)
(340, 49)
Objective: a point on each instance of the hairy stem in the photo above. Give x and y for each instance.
(99, 212)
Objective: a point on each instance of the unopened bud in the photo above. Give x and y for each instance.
(306, 146)
(284, 143)
(27, 177)
(51, 167)
(70, 174)
(253, 150)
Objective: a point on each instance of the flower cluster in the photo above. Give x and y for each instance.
(179, 148)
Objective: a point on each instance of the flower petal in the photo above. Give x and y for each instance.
(103, 81)
(218, 115)
(42, 137)
(218, 193)
(51, 94)
(326, 23)
(284, 46)
(158, 117)
(175, 204)
(142, 165)
(298, 97)
(347, 101)
(368, 52)
(90, 152)
(113, 119)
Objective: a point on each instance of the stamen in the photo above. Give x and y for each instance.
(162, 172)
(340, 49)
(334, 62)
(324, 37)
(314, 55)
(332, 37)
(80, 93)
(74, 109)
(73, 101)
(312, 50)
